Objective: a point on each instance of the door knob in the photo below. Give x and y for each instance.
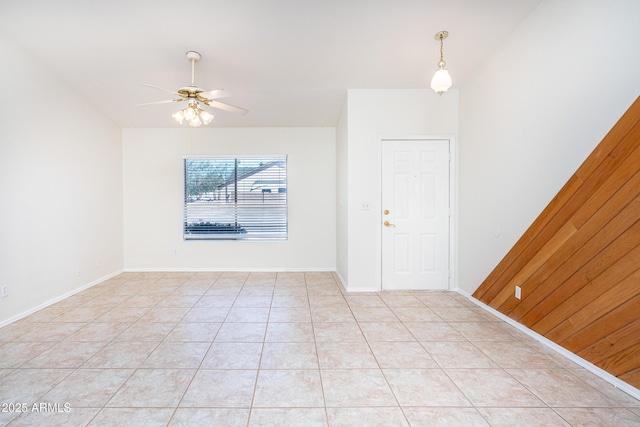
(388, 224)
(386, 212)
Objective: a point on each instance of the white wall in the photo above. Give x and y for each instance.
(153, 199)
(60, 187)
(373, 115)
(532, 115)
(342, 189)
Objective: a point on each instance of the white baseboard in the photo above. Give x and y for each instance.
(220, 270)
(616, 382)
(340, 280)
(58, 299)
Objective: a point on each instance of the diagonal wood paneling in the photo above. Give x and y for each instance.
(579, 263)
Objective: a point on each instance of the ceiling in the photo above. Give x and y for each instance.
(289, 62)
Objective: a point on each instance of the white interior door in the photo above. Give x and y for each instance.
(415, 205)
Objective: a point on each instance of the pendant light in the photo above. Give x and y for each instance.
(441, 81)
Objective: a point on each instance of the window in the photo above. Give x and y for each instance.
(238, 198)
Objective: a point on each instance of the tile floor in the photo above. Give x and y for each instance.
(286, 349)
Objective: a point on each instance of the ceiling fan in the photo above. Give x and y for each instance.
(195, 115)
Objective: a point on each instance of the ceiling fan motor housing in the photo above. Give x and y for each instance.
(192, 55)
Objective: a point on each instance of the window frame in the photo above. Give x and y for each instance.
(244, 204)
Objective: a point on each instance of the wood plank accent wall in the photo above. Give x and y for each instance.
(579, 263)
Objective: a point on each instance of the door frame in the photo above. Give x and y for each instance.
(453, 204)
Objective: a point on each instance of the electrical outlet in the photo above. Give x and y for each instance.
(77, 272)
(4, 292)
(518, 292)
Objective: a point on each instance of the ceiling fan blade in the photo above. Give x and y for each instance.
(160, 88)
(215, 94)
(160, 102)
(226, 107)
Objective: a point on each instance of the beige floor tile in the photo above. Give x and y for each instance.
(218, 301)
(17, 353)
(611, 391)
(458, 354)
(328, 300)
(279, 355)
(290, 300)
(492, 387)
(374, 314)
(397, 299)
(121, 354)
(319, 290)
(194, 332)
(338, 332)
(290, 314)
(366, 417)
(165, 314)
(599, 417)
(253, 301)
(290, 289)
(416, 314)
(288, 388)
(356, 388)
(510, 354)
(65, 354)
(206, 314)
(220, 388)
(272, 417)
(463, 314)
(424, 387)
(289, 332)
(438, 299)
(83, 314)
(386, 331)
(365, 300)
(233, 355)
(153, 388)
(434, 331)
(488, 331)
(75, 417)
(447, 417)
(179, 355)
(123, 314)
(88, 387)
(560, 388)
(344, 355)
(255, 291)
(29, 385)
(4, 372)
(48, 314)
(332, 314)
(142, 301)
(530, 417)
(52, 331)
(132, 417)
(402, 355)
(241, 332)
(98, 331)
(210, 417)
(146, 331)
(247, 314)
(285, 349)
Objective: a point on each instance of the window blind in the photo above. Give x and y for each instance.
(240, 198)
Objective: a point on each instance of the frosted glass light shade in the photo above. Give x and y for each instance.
(441, 81)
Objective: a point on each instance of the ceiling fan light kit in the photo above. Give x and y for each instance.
(441, 81)
(193, 113)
